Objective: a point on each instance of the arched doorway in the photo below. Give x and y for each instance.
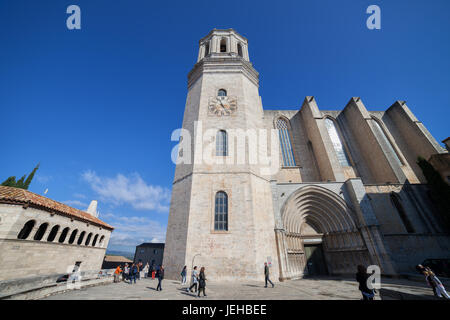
(318, 235)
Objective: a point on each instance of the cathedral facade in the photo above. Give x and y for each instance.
(340, 188)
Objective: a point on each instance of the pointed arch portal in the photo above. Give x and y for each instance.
(318, 235)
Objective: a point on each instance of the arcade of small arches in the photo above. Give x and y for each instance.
(318, 235)
(75, 237)
(224, 46)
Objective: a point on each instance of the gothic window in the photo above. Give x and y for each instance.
(26, 230)
(73, 235)
(285, 143)
(337, 143)
(239, 48)
(63, 235)
(221, 143)
(94, 242)
(401, 212)
(221, 212)
(52, 234)
(222, 93)
(223, 45)
(88, 239)
(41, 231)
(388, 142)
(80, 239)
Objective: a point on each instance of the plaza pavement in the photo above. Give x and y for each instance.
(303, 289)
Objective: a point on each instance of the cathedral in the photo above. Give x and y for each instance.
(346, 189)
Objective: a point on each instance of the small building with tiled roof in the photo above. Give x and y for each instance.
(40, 236)
(113, 261)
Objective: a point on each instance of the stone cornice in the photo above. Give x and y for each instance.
(223, 32)
(223, 65)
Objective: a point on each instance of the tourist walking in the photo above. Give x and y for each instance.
(194, 280)
(160, 276)
(202, 282)
(361, 277)
(183, 275)
(440, 289)
(138, 271)
(266, 275)
(117, 274)
(433, 281)
(146, 269)
(126, 272)
(133, 273)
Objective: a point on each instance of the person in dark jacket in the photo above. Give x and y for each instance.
(202, 282)
(133, 273)
(361, 277)
(266, 275)
(160, 276)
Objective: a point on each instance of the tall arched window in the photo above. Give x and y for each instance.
(101, 241)
(221, 212)
(26, 230)
(401, 212)
(88, 239)
(388, 142)
(339, 148)
(221, 143)
(94, 242)
(63, 235)
(52, 234)
(239, 48)
(80, 239)
(285, 143)
(72, 236)
(41, 231)
(223, 45)
(222, 93)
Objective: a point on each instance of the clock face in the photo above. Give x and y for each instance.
(222, 106)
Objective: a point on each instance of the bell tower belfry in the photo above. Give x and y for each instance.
(221, 213)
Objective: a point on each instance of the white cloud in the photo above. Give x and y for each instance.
(43, 179)
(134, 230)
(76, 203)
(130, 189)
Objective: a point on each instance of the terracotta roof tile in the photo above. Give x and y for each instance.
(25, 197)
(109, 258)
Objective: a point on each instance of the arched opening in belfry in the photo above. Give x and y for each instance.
(319, 235)
(239, 48)
(223, 45)
(207, 49)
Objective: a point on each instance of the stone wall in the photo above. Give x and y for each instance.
(22, 258)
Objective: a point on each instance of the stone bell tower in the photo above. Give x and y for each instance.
(221, 212)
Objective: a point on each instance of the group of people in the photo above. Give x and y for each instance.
(135, 271)
(198, 280)
(131, 272)
(433, 281)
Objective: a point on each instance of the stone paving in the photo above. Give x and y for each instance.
(303, 289)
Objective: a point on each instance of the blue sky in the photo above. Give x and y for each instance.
(97, 106)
